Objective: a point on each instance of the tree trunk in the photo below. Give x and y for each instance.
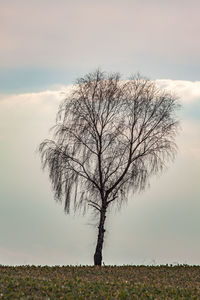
(100, 239)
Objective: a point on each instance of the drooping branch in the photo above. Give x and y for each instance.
(111, 135)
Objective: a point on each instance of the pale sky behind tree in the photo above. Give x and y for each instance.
(45, 46)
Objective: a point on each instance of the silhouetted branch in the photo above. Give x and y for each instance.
(111, 136)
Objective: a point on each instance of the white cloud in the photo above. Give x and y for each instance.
(22, 110)
(49, 96)
(188, 91)
(190, 132)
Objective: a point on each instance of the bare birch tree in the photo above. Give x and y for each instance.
(110, 137)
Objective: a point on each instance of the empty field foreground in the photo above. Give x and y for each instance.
(108, 282)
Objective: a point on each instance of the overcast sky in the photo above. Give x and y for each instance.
(45, 46)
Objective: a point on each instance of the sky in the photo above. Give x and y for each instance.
(45, 46)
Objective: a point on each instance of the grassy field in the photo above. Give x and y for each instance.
(108, 282)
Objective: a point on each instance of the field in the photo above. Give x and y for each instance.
(107, 282)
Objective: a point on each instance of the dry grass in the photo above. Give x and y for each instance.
(108, 282)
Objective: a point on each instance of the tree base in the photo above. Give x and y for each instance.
(97, 259)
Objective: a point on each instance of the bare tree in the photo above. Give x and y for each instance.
(110, 137)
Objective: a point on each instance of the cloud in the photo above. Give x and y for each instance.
(187, 91)
(46, 103)
(41, 107)
(30, 98)
(31, 107)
